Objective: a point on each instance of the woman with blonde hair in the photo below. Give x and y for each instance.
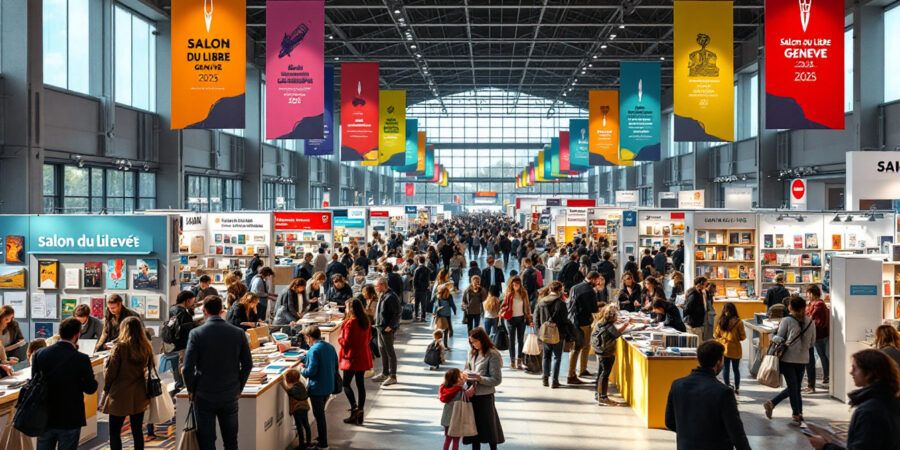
(516, 311)
(608, 333)
(315, 289)
(125, 382)
(234, 292)
(887, 339)
(243, 314)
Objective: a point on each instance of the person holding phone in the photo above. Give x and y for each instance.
(483, 366)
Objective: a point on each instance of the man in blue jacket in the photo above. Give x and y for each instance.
(217, 363)
(701, 410)
(319, 367)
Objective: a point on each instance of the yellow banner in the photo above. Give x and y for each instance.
(603, 141)
(445, 181)
(420, 163)
(704, 71)
(539, 170)
(391, 128)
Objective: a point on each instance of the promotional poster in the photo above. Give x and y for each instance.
(209, 63)
(411, 147)
(391, 128)
(604, 128)
(578, 144)
(564, 165)
(554, 159)
(704, 71)
(324, 146)
(359, 111)
(805, 64)
(295, 69)
(639, 90)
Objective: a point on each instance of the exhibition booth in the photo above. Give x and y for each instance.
(349, 225)
(301, 232)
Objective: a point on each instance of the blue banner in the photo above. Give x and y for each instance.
(325, 146)
(97, 235)
(349, 223)
(411, 211)
(579, 158)
(412, 147)
(639, 111)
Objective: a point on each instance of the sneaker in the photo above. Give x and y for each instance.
(809, 390)
(797, 420)
(555, 384)
(606, 401)
(825, 380)
(380, 378)
(769, 406)
(389, 381)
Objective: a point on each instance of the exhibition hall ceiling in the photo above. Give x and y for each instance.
(439, 47)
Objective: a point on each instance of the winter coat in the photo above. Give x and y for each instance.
(731, 338)
(355, 352)
(125, 383)
(472, 301)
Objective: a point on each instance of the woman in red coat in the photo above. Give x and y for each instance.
(356, 357)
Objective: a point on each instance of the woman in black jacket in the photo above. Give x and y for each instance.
(339, 292)
(630, 294)
(243, 313)
(875, 424)
(552, 309)
(290, 304)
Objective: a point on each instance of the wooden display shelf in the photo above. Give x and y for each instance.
(764, 249)
(731, 279)
(789, 267)
(726, 245)
(737, 261)
(793, 284)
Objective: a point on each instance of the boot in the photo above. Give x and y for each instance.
(519, 363)
(574, 380)
(545, 382)
(359, 417)
(352, 418)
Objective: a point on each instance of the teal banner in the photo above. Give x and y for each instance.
(412, 147)
(639, 111)
(97, 234)
(579, 158)
(349, 223)
(548, 162)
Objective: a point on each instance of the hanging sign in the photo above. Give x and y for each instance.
(639, 112)
(97, 234)
(209, 63)
(359, 111)
(324, 146)
(306, 220)
(691, 199)
(805, 64)
(564, 165)
(391, 129)
(554, 159)
(704, 71)
(579, 158)
(603, 109)
(411, 147)
(798, 194)
(295, 69)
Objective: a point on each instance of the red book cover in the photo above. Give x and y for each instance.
(97, 307)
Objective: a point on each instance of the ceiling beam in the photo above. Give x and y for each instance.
(537, 29)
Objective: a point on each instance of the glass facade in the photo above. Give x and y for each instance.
(213, 194)
(66, 44)
(135, 53)
(279, 196)
(69, 189)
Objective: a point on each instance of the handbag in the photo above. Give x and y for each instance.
(778, 348)
(532, 346)
(508, 312)
(548, 333)
(502, 339)
(161, 409)
(338, 383)
(189, 434)
(769, 374)
(154, 384)
(462, 420)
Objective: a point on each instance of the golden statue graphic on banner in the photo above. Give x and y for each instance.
(702, 63)
(604, 110)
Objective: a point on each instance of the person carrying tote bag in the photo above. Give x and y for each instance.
(189, 433)
(483, 369)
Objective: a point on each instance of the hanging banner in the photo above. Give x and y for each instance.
(546, 163)
(804, 64)
(411, 147)
(704, 71)
(359, 111)
(209, 64)
(603, 143)
(422, 151)
(295, 69)
(429, 163)
(539, 167)
(578, 144)
(325, 146)
(445, 177)
(554, 159)
(391, 128)
(410, 189)
(564, 165)
(639, 114)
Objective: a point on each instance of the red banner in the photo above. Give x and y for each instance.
(410, 189)
(564, 166)
(581, 203)
(359, 111)
(379, 214)
(805, 64)
(310, 220)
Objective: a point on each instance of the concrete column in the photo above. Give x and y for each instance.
(868, 74)
(170, 180)
(770, 191)
(253, 138)
(22, 152)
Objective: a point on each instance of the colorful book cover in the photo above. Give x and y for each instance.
(15, 249)
(815, 259)
(43, 330)
(701, 237)
(734, 238)
(739, 254)
(68, 307)
(767, 241)
(798, 241)
(812, 240)
(147, 275)
(137, 304)
(746, 238)
(835, 241)
(885, 242)
(769, 258)
(117, 274)
(887, 288)
(49, 274)
(97, 307)
(779, 241)
(152, 311)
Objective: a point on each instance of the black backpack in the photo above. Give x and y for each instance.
(31, 407)
(529, 280)
(433, 355)
(171, 329)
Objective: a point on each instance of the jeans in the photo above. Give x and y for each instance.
(793, 375)
(604, 370)
(115, 430)
(388, 355)
(360, 387)
(301, 421)
(174, 359)
(490, 325)
(59, 438)
(726, 375)
(455, 275)
(472, 321)
(516, 329)
(821, 347)
(506, 260)
(580, 354)
(207, 412)
(318, 408)
(421, 303)
(554, 351)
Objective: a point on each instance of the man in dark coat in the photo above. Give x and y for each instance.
(701, 410)
(660, 261)
(492, 277)
(387, 320)
(567, 273)
(678, 258)
(777, 293)
(646, 263)
(695, 308)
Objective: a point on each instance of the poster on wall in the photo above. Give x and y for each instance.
(691, 199)
(639, 113)
(295, 69)
(805, 64)
(209, 63)
(49, 274)
(147, 275)
(359, 111)
(603, 142)
(15, 249)
(324, 146)
(578, 144)
(391, 129)
(704, 71)
(116, 274)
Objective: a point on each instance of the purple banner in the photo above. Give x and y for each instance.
(318, 147)
(295, 69)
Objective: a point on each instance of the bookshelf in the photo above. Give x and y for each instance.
(791, 245)
(890, 290)
(727, 257)
(659, 228)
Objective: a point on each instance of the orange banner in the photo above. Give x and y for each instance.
(603, 143)
(209, 67)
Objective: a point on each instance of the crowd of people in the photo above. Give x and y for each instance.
(568, 293)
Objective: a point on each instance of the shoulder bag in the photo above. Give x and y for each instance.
(154, 384)
(31, 407)
(778, 348)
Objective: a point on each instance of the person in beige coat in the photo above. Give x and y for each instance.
(125, 387)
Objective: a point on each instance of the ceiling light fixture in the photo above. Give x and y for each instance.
(603, 46)
(396, 11)
(612, 36)
(337, 58)
(662, 58)
(418, 55)
(595, 57)
(590, 65)
(622, 26)
(413, 46)
(401, 19)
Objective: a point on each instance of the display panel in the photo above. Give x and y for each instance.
(359, 111)
(604, 128)
(639, 92)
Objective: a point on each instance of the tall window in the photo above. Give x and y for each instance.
(891, 56)
(65, 35)
(279, 196)
(135, 50)
(754, 105)
(848, 69)
(91, 190)
(213, 194)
